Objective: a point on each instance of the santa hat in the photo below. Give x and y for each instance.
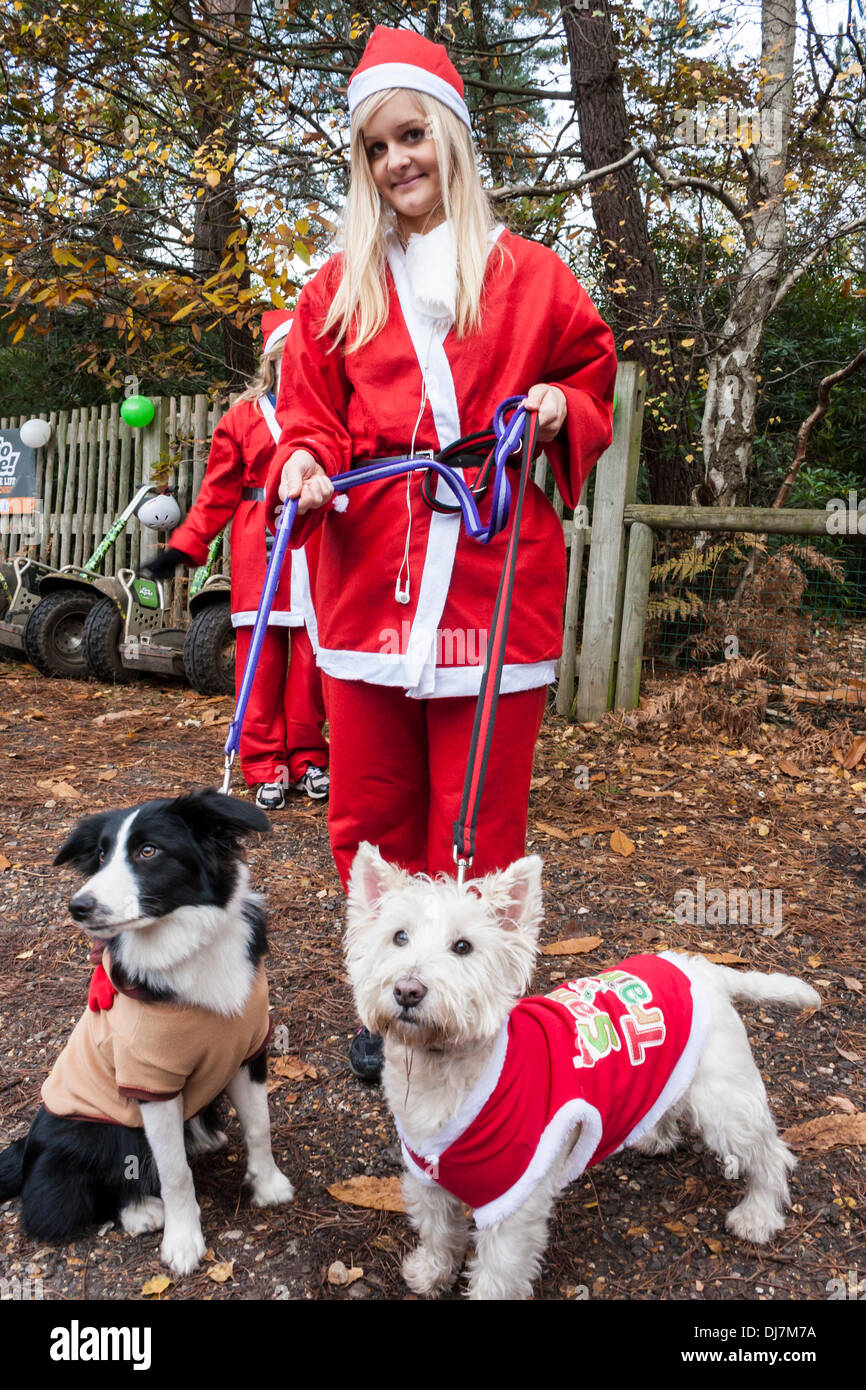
(275, 326)
(401, 58)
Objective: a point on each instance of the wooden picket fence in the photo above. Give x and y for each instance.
(94, 462)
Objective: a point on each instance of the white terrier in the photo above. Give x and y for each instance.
(499, 1107)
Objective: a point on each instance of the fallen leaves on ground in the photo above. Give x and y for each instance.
(621, 844)
(339, 1275)
(827, 1132)
(156, 1286)
(382, 1194)
(573, 946)
(293, 1069)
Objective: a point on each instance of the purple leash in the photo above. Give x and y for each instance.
(509, 437)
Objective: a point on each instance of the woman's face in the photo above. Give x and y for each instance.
(404, 163)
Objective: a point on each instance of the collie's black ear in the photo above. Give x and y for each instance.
(209, 812)
(83, 844)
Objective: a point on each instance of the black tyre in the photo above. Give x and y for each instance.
(209, 651)
(54, 635)
(102, 633)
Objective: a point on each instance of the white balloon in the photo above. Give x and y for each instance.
(160, 513)
(35, 433)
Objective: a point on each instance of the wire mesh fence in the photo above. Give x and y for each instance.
(798, 601)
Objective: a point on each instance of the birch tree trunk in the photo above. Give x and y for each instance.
(729, 411)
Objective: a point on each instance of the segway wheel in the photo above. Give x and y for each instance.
(103, 631)
(54, 635)
(209, 651)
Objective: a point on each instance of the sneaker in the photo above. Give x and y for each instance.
(271, 796)
(315, 782)
(365, 1055)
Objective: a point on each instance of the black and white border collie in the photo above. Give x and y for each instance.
(168, 893)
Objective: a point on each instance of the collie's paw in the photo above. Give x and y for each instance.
(183, 1249)
(272, 1190)
(147, 1214)
(425, 1274)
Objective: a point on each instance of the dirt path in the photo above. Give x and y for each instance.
(636, 1228)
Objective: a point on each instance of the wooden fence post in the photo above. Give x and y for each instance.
(615, 484)
(567, 667)
(634, 611)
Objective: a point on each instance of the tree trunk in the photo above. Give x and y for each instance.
(215, 82)
(729, 411)
(640, 310)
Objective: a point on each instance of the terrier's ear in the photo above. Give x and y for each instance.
(370, 878)
(517, 901)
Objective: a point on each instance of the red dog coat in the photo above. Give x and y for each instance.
(611, 1053)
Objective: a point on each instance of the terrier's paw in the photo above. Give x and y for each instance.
(486, 1287)
(272, 1190)
(183, 1248)
(754, 1222)
(425, 1274)
(147, 1214)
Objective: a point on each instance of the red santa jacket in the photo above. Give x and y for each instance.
(240, 454)
(610, 1052)
(538, 324)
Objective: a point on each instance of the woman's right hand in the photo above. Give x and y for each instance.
(305, 478)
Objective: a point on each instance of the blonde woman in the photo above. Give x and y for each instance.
(405, 342)
(282, 744)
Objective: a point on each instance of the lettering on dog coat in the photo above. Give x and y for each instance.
(609, 1052)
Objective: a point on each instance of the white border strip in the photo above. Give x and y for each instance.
(386, 75)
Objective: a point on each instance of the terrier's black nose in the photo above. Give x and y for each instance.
(409, 992)
(81, 906)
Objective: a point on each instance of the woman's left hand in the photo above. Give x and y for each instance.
(550, 403)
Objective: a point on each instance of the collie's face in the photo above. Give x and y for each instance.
(145, 863)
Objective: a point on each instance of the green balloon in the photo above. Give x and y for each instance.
(615, 400)
(138, 411)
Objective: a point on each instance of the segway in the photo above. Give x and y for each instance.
(47, 607)
(126, 633)
(209, 649)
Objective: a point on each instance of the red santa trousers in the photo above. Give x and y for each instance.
(397, 772)
(283, 724)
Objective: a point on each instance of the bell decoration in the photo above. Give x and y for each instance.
(138, 411)
(35, 433)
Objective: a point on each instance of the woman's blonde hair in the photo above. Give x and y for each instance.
(361, 300)
(265, 378)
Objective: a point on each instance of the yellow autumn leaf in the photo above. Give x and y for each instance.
(157, 1285)
(221, 1272)
(182, 313)
(212, 178)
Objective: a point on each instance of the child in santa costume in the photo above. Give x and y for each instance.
(281, 742)
(405, 342)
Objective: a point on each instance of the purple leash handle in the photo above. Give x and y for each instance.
(509, 438)
(266, 603)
